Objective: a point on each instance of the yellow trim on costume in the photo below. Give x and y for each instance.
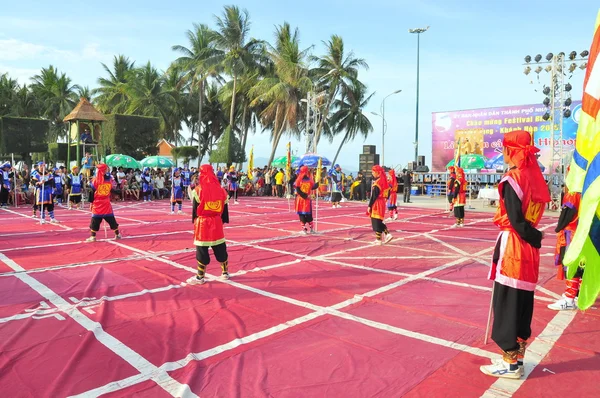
(208, 244)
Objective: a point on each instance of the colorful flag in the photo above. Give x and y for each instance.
(584, 177)
(251, 163)
(457, 155)
(288, 164)
(318, 173)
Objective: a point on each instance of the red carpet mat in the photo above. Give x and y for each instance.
(324, 315)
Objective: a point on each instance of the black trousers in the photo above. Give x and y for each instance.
(378, 225)
(3, 195)
(220, 252)
(305, 218)
(406, 194)
(96, 221)
(280, 191)
(336, 197)
(459, 211)
(513, 311)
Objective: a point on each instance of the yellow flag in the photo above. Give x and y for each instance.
(584, 177)
(288, 162)
(251, 163)
(319, 167)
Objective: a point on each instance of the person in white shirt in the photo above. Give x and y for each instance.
(159, 186)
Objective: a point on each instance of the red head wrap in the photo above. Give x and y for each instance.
(393, 179)
(520, 153)
(207, 178)
(101, 169)
(304, 172)
(451, 169)
(379, 173)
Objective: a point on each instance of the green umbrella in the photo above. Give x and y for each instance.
(127, 162)
(282, 161)
(157, 161)
(470, 162)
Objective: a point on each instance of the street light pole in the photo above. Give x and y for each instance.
(418, 31)
(383, 126)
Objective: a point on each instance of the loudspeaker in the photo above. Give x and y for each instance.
(369, 149)
(411, 166)
(420, 160)
(367, 158)
(376, 160)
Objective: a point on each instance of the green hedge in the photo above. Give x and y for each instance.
(135, 136)
(23, 135)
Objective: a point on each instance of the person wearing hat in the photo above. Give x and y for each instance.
(177, 189)
(377, 205)
(459, 197)
(58, 185)
(232, 184)
(186, 176)
(74, 184)
(5, 176)
(102, 185)
(516, 259)
(209, 212)
(304, 185)
(393, 196)
(34, 178)
(336, 185)
(44, 199)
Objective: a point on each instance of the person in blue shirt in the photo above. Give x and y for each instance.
(58, 185)
(87, 162)
(147, 186)
(74, 183)
(5, 176)
(336, 185)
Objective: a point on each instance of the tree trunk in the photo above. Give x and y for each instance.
(340, 148)
(325, 115)
(200, 101)
(244, 130)
(276, 142)
(231, 119)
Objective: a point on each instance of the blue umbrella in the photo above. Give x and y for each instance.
(497, 163)
(311, 160)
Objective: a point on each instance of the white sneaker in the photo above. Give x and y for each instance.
(34, 216)
(90, 239)
(171, 213)
(195, 281)
(42, 221)
(564, 304)
(461, 225)
(388, 219)
(225, 276)
(388, 238)
(454, 226)
(180, 213)
(305, 231)
(54, 221)
(236, 202)
(501, 368)
(395, 217)
(378, 242)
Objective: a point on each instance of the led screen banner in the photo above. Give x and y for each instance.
(480, 132)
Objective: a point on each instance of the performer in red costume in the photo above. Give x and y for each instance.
(376, 210)
(101, 186)
(209, 212)
(567, 224)
(460, 197)
(393, 197)
(304, 185)
(450, 187)
(516, 259)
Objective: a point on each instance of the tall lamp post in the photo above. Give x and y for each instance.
(418, 31)
(383, 125)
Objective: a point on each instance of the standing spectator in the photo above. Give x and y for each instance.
(407, 178)
(87, 162)
(159, 186)
(268, 189)
(279, 182)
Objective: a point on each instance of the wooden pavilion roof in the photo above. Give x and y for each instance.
(86, 112)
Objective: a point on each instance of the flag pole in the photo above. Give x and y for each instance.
(16, 200)
(43, 183)
(172, 198)
(487, 328)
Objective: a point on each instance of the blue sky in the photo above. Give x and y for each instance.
(470, 58)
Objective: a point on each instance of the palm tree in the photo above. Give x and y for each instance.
(348, 115)
(111, 96)
(194, 62)
(335, 73)
(214, 120)
(8, 89)
(281, 92)
(85, 92)
(57, 97)
(179, 111)
(237, 52)
(24, 103)
(148, 98)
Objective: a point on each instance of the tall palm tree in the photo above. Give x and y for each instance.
(179, 110)
(194, 62)
(281, 92)
(84, 92)
(237, 52)
(214, 119)
(111, 96)
(335, 72)
(57, 97)
(147, 97)
(8, 89)
(348, 116)
(24, 103)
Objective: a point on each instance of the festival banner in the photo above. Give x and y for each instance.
(480, 132)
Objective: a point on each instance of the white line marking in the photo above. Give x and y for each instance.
(165, 381)
(535, 353)
(23, 215)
